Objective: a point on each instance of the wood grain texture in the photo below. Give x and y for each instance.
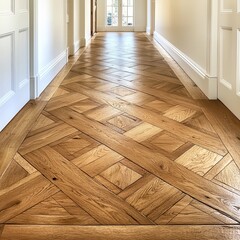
(23, 195)
(156, 163)
(25, 119)
(45, 138)
(17, 173)
(1, 230)
(197, 137)
(19, 129)
(226, 125)
(96, 200)
(122, 142)
(119, 233)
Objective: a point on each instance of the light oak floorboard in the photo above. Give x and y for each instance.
(119, 233)
(172, 173)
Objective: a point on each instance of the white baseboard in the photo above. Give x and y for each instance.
(82, 42)
(75, 47)
(208, 84)
(49, 72)
(148, 30)
(34, 87)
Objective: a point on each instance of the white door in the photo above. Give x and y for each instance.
(120, 15)
(229, 55)
(14, 58)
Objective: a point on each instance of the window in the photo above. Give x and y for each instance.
(120, 13)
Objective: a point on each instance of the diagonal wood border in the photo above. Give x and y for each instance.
(103, 205)
(202, 139)
(24, 195)
(171, 172)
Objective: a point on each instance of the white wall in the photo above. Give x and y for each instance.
(53, 35)
(87, 20)
(140, 20)
(150, 17)
(187, 29)
(75, 39)
(50, 42)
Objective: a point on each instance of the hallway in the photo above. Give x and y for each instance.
(123, 143)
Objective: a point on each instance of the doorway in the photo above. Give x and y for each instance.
(120, 15)
(14, 58)
(93, 17)
(229, 52)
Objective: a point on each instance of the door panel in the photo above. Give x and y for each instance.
(14, 58)
(229, 55)
(120, 15)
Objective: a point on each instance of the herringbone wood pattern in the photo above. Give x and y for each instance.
(122, 142)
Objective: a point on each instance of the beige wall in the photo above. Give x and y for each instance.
(50, 42)
(184, 24)
(77, 20)
(79, 26)
(188, 31)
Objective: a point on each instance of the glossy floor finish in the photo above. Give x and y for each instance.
(124, 150)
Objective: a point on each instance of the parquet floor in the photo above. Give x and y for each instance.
(124, 151)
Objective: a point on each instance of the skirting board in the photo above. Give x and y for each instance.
(75, 47)
(207, 84)
(148, 30)
(49, 72)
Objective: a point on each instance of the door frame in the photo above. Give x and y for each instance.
(229, 89)
(150, 17)
(120, 28)
(33, 6)
(93, 17)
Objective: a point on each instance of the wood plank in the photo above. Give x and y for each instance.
(166, 217)
(1, 230)
(72, 208)
(198, 160)
(53, 220)
(101, 204)
(136, 186)
(21, 232)
(218, 167)
(46, 137)
(152, 195)
(212, 212)
(18, 128)
(22, 162)
(13, 174)
(193, 216)
(168, 97)
(143, 132)
(24, 120)
(113, 188)
(23, 195)
(228, 176)
(226, 125)
(120, 175)
(64, 100)
(189, 134)
(173, 173)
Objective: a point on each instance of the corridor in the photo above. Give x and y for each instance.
(124, 150)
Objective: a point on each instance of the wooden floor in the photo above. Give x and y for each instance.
(122, 150)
